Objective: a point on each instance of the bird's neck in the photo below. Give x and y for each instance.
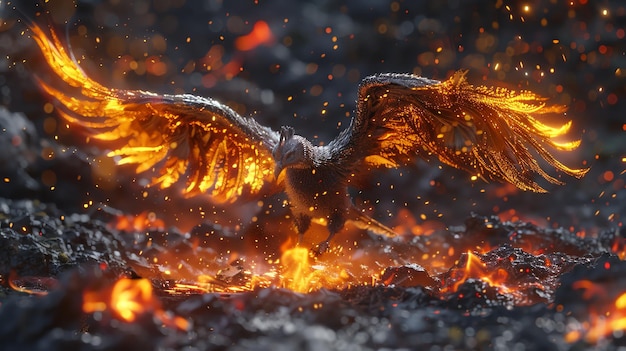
(320, 156)
(314, 155)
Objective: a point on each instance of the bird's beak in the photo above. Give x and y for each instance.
(278, 168)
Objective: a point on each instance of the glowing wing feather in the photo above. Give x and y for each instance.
(491, 133)
(182, 138)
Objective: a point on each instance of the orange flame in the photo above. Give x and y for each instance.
(475, 268)
(261, 34)
(604, 319)
(301, 276)
(297, 270)
(128, 299)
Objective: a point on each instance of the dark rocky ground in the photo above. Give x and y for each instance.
(59, 192)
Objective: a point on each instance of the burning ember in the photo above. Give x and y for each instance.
(91, 259)
(128, 299)
(505, 278)
(606, 316)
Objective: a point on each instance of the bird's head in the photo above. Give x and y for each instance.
(292, 151)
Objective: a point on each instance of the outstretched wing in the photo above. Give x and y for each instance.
(183, 139)
(492, 133)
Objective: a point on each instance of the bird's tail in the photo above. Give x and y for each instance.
(363, 221)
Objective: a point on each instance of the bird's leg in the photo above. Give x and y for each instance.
(302, 223)
(335, 222)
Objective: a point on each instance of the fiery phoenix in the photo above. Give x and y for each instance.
(492, 133)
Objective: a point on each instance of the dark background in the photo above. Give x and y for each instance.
(572, 52)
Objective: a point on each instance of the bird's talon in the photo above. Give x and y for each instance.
(321, 248)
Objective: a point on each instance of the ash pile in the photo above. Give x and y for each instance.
(541, 288)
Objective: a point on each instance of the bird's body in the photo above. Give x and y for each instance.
(492, 133)
(316, 190)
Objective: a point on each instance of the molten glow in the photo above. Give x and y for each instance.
(128, 299)
(32, 285)
(607, 315)
(261, 34)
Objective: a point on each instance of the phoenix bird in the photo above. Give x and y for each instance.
(492, 133)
